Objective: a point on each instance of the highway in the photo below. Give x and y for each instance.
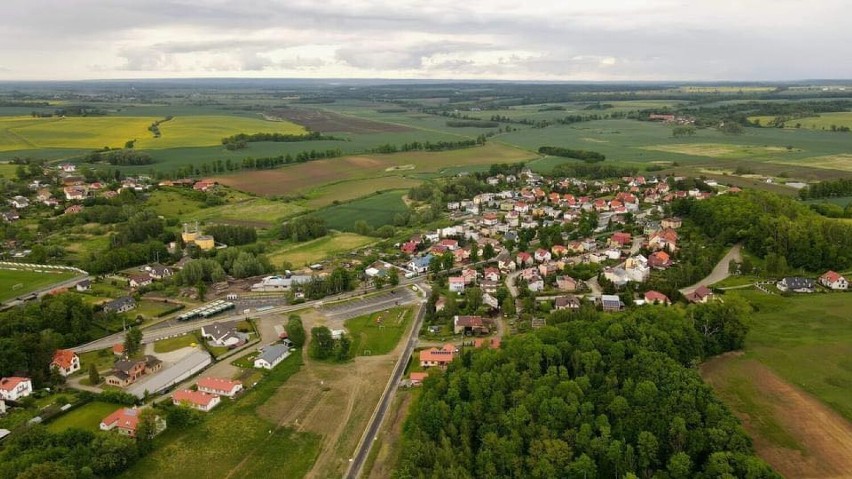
(356, 464)
(155, 333)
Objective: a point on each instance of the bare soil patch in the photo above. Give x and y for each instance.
(390, 437)
(794, 432)
(326, 121)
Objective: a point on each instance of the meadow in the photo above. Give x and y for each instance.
(219, 446)
(314, 251)
(376, 210)
(822, 122)
(29, 280)
(377, 333)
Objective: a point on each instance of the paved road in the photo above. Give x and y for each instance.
(720, 271)
(155, 334)
(361, 306)
(363, 450)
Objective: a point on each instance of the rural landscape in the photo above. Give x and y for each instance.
(365, 240)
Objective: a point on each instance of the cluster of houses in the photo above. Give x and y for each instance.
(796, 284)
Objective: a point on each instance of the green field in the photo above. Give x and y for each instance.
(319, 249)
(260, 212)
(86, 417)
(234, 441)
(103, 360)
(376, 210)
(349, 190)
(29, 280)
(806, 339)
(378, 333)
(822, 122)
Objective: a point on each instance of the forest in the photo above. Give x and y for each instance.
(773, 225)
(592, 396)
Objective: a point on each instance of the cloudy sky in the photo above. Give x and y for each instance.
(463, 39)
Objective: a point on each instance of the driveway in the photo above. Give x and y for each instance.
(720, 271)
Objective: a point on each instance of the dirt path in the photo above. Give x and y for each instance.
(720, 271)
(790, 414)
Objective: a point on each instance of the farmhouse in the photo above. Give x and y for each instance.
(65, 361)
(833, 280)
(220, 386)
(120, 305)
(15, 388)
(438, 357)
(195, 399)
(796, 284)
(125, 421)
(272, 356)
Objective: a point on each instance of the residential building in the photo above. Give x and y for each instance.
(456, 284)
(656, 297)
(673, 222)
(420, 264)
(833, 280)
(219, 386)
(470, 325)
(620, 239)
(417, 378)
(434, 357)
(223, 334)
(566, 283)
(66, 362)
(137, 280)
(125, 372)
(199, 400)
(702, 294)
(125, 421)
(567, 302)
(659, 260)
(120, 305)
(271, 356)
(796, 284)
(14, 388)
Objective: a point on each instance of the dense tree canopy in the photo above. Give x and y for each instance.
(604, 397)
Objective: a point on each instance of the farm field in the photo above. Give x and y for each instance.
(27, 133)
(376, 211)
(378, 333)
(258, 212)
(331, 122)
(29, 280)
(349, 190)
(86, 417)
(791, 385)
(841, 162)
(8, 170)
(210, 450)
(313, 174)
(319, 249)
(719, 150)
(208, 130)
(822, 122)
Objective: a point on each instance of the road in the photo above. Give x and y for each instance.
(363, 450)
(157, 333)
(47, 289)
(720, 271)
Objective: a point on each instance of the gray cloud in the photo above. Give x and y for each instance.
(539, 39)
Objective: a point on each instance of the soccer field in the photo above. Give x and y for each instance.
(14, 283)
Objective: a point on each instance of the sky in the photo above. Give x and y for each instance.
(544, 40)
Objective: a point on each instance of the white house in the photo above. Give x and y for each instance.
(219, 386)
(272, 356)
(195, 399)
(66, 362)
(456, 284)
(15, 388)
(833, 280)
(223, 334)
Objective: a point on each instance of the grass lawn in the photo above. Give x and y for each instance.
(316, 250)
(86, 417)
(234, 441)
(150, 309)
(806, 339)
(376, 210)
(245, 362)
(103, 359)
(251, 212)
(173, 344)
(350, 190)
(29, 281)
(378, 333)
(172, 204)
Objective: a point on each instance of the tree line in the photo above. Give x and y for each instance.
(592, 396)
(123, 157)
(585, 155)
(827, 189)
(429, 146)
(241, 140)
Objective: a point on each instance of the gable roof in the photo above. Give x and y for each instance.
(272, 353)
(198, 398)
(218, 384)
(8, 384)
(124, 418)
(63, 358)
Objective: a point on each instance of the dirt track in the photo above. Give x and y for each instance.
(825, 437)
